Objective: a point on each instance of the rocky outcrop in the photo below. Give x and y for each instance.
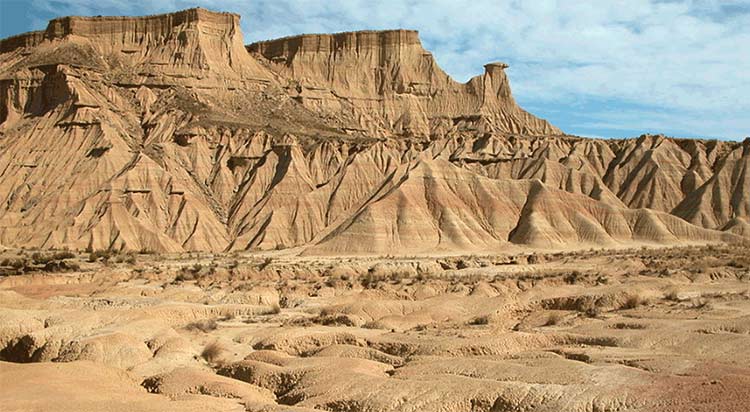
(386, 82)
(20, 41)
(723, 201)
(168, 49)
(163, 133)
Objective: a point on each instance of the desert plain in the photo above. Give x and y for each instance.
(637, 329)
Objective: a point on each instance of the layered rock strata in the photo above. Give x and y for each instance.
(388, 83)
(163, 133)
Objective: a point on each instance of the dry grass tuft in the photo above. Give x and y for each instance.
(480, 320)
(591, 308)
(553, 319)
(274, 309)
(373, 324)
(633, 301)
(672, 296)
(701, 303)
(205, 326)
(213, 352)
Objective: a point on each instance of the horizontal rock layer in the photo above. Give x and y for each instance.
(386, 81)
(100, 27)
(164, 133)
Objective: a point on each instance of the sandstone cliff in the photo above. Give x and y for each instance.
(168, 49)
(386, 82)
(164, 133)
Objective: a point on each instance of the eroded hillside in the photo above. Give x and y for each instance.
(165, 133)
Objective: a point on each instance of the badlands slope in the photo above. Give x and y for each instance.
(331, 223)
(167, 134)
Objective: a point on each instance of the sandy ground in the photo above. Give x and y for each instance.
(620, 330)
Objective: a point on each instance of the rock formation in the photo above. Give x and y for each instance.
(165, 133)
(386, 83)
(175, 49)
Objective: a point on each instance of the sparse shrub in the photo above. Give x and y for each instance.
(14, 263)
(593, 312)
(701, 303)
(398, 276)
(103, 255)
(370, 280)
(184, 276)
(341, 271)
(13, 267)
(739, 263)
(64, 254)
(213, 351)
(373, 324)
(340, 319)
(227, 317)
(61, 255)
(274, 309)
(60, 266)
(54, 262)
(384, 271)
(554, 318)
(633, 301)
(672, 295)
(573, 277)
(535, 259)
(42, 259)
(463, 264)
(624, 325)
(189, 273)
(130, 259)
(480, 320)
(205, 326)
(591, 308)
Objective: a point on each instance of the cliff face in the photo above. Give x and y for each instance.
(388, 83)
(163, 133)
(162, 49)
(29, 39)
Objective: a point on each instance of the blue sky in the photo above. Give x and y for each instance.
(610, 68)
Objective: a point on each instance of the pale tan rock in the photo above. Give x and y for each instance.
(164, 133)
(89, 387)
(387, 83)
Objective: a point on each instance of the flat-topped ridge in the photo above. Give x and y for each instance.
(343, 34)
(159, 23)
(97, 26)
(327, 42)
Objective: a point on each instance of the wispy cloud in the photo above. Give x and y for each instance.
(636, 65)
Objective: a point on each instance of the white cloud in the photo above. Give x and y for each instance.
(688, 59)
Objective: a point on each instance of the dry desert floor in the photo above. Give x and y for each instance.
(640, 329)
